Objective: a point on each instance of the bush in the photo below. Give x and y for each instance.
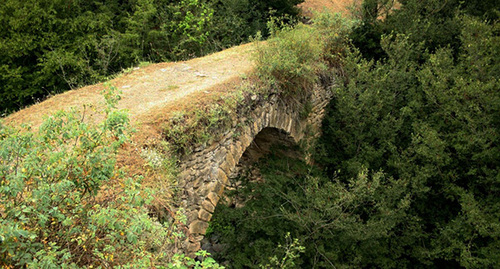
(429, 119)
(294, 58)
(335, 223)
(52, 212)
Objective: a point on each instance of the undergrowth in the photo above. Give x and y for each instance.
(296, 57)
(64, 203)
(200, 125)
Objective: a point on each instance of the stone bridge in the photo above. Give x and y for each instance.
(208, 171)
(146, 91)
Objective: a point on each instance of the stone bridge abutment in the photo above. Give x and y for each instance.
(206, 172)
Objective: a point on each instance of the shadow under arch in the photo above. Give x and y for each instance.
(241, 154)
(264, 142)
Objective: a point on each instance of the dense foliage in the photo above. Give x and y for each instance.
(55, 211)
(50, 46)
(406, 174)
(297, 57)
(409, 162)
(49, 212)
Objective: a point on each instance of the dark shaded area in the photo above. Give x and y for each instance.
(429, 22)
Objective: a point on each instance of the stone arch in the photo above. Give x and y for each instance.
(206, 174)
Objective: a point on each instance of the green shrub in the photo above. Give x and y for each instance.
(180, 261)
(429, 119)
(202, 123)
(52, 214)
(294, 58)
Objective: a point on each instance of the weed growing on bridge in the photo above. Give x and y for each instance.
(205, 121)
(199, 126)
(295, 58)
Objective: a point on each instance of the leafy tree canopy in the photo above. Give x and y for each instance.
(409, 159)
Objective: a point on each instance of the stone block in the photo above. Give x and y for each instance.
(213, 198)
(198, 227)
(255, 128)
(220, 155)
(226, 167)
(245, 140)
(217, 187)
(197, 182)
(222, 177)
(208, 206)
(280, 120)
(239, 149)
(192, 215)
(272, 118)
(290, 124)
(231, 155)
(233, 150)
(197, 238)
(193, 247)
(204, 215)
(203, 191)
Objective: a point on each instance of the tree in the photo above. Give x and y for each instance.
(429, 119)
(409, 157)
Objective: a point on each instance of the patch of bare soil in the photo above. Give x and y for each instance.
(340, 6)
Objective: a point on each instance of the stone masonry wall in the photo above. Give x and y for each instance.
(206, 172)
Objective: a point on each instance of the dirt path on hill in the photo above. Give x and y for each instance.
(148, 89)
(148, 93)
(152, 87)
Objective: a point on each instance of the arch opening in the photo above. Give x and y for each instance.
(268, 140)
(265, 141)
